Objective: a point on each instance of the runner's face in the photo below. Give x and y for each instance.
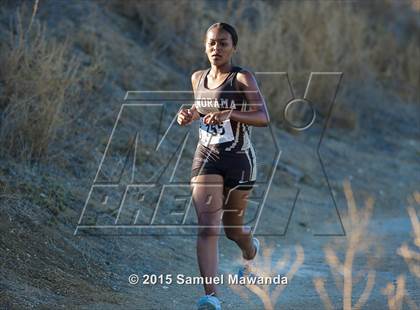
(219, 46)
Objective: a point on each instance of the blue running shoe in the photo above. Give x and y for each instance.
(209, 302)
(256, 243)
(245, 271)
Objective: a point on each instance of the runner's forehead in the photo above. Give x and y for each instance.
(217, 34)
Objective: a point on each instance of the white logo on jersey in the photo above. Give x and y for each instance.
(215, 103)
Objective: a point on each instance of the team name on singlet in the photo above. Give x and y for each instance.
(216, 103)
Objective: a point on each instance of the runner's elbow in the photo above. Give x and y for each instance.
(267, 121)
(264, 121)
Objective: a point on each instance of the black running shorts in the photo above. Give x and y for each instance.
(237, 169)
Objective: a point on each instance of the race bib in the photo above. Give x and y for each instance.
(215, 134)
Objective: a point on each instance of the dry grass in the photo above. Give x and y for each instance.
(43, 84)
(93, 77)
(298, 38)
(37, 75)
(266, 267)
(166, 29)
(357, 243)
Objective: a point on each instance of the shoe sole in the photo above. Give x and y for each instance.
(207, 306)
(256, 243)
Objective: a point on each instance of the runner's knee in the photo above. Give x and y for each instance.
(208, 231)
(234, 234)
(208, 225)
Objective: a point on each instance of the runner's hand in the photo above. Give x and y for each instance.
(217, 117)
(185, 117)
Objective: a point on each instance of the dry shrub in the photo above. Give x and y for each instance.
(412, 256)
(397, 294)
(269, 268)
(357, 243)
(37, 75)
(415, 4)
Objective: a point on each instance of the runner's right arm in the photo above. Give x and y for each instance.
(187, 116)
(195, 78)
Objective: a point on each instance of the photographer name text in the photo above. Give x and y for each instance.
(181, 279)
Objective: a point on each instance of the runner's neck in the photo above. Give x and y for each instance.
(216, 72)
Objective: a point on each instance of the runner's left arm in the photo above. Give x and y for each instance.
(257, 114)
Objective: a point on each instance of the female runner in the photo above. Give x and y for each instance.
(227, 103)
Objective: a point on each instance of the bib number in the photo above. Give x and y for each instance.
(215, 134)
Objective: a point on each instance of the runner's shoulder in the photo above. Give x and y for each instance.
(195, 77)
(245, 77)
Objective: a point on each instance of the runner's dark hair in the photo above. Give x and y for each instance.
(228, 28)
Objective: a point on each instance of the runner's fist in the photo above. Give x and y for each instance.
(217, 117)
(185, 117)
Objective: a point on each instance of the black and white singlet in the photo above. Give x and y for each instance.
(224, 149)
